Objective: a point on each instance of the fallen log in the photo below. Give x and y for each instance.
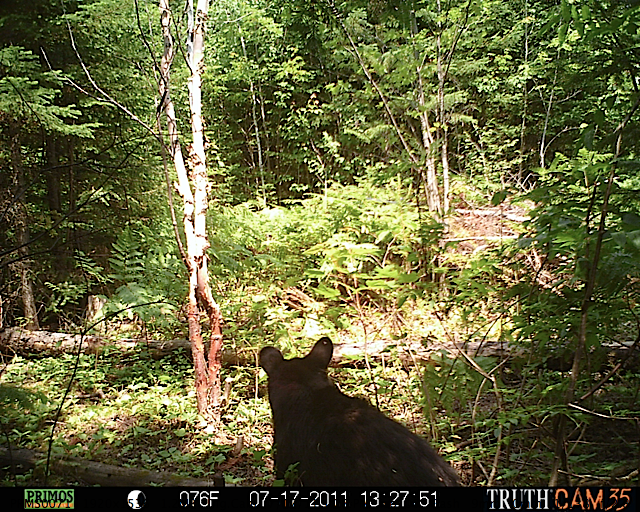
(410, 351)
(21, 341)
(20, 460)
(494, 212)
(25, 343)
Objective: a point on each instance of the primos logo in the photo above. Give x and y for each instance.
(48, 498)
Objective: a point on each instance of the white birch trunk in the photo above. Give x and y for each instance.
(195, 203)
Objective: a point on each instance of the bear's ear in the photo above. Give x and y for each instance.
(321, 353)
(270, 359)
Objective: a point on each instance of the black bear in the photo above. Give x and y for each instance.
(338, 440)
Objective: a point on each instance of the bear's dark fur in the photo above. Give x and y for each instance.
(339, 440)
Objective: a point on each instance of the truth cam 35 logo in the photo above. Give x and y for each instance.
(613, 499)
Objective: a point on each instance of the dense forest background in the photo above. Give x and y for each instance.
(451, 187)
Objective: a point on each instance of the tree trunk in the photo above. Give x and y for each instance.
(72, 196)
(445, 171)
(525, 98)
(543, 138)
(207, 369)
(53, 175)
(429, 175)
(266, 149)
(440, 116)
(254, 118)
(22, 230)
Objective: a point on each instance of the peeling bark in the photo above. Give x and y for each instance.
(193, 188)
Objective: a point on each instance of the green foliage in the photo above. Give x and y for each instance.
(565, 230)
(378, 247)
(27, 95)
(20, 397)
(145, 263)
(451, 383)
(126, 408)
(63, 294)
(532, 98)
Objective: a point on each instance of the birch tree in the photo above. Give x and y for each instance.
(430, 48)
(193, 187)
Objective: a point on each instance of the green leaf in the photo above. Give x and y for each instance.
(632, 219)
(566, 11)
(633, 237)
(619, 238)
(574, 13)
(408, 278)
(588, 135)
(388, 271)
(562, 33)
(498, 197)
(326, 292)
(378, 284)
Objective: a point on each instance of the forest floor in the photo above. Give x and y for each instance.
(131, 410)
